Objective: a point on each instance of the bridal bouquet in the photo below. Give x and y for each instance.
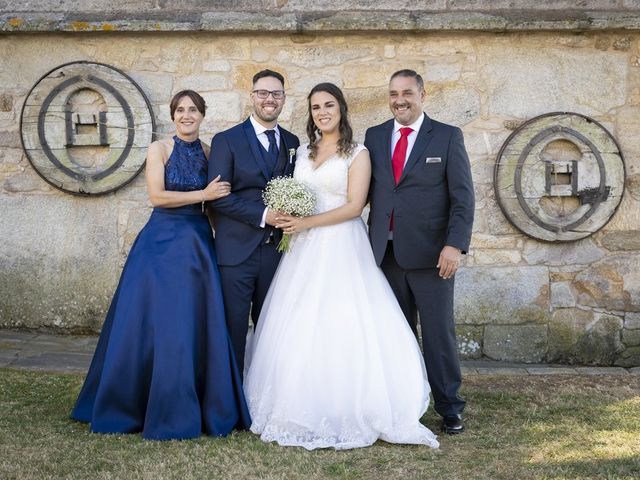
(289, 196)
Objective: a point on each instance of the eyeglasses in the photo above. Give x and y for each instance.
(264, 94)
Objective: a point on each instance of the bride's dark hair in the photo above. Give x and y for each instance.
(346, 143)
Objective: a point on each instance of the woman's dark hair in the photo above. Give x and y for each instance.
(345, 144)
(195, 97)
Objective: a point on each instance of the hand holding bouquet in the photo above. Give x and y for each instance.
(289, 196)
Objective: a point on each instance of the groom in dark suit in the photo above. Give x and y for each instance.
(421, 214)
(248, 156)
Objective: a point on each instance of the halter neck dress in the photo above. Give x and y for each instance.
(164, 364)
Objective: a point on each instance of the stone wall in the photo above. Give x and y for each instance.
(517, 298)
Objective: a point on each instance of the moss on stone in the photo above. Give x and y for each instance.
(469, 341)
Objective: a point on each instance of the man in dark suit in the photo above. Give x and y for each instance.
(421, 214)
(248, 156)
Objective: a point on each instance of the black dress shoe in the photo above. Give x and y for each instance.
(452, 424)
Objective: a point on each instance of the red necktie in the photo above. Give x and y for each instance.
(400, 153)
(398, 158)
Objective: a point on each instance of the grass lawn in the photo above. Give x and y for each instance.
(533, 427)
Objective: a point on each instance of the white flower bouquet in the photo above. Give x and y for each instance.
(289, 196)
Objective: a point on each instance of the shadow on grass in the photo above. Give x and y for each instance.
(618, 468)
(558, 426)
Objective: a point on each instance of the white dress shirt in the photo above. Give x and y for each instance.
(262, 137)
(411, 139)
(264, 141)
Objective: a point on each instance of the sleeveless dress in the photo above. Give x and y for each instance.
(333, 360)
(164, 365)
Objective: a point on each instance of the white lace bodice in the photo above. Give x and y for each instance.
(329, 181)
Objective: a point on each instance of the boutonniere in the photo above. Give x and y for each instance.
(292, 152)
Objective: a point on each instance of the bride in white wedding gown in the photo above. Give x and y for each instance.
(334, 362)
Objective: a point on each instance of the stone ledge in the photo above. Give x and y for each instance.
(133, 6)
(72, 354)
(602, 371)
(501, 371)
(466, 371)
(53, 362)
(304, 21)
(551, 370)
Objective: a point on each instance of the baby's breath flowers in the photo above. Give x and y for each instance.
(289, 196)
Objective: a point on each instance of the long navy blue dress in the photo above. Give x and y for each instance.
(164, 365)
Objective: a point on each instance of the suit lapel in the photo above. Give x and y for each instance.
(254, 144)
(422, 140)
(283, 156)
(386, 148)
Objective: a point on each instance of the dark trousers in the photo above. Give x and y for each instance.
(244, 288)
(423, 291)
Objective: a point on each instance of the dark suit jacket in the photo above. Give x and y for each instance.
(236, 156)
(433, 203)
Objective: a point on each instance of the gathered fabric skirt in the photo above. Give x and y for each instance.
(164, 364)
(333, 362)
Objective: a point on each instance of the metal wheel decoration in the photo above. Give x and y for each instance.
(86, 127)
(559, 177)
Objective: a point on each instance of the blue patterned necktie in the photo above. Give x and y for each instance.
(273, 148)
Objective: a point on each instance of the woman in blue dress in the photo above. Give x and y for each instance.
(164, 365)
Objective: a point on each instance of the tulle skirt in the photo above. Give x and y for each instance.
(333, 362)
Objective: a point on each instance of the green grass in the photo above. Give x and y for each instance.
(554, 427)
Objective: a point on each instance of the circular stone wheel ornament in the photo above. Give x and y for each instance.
(559, 177)
(86, 127)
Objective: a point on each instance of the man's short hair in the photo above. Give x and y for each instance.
(411, 74)
(268, 73)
